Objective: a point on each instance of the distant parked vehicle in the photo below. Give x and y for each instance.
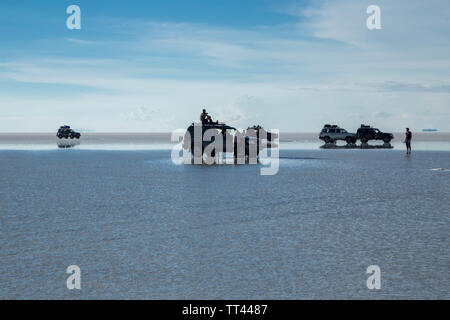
(331, 133)
(259, 131)
(66, 132)
(366, 133)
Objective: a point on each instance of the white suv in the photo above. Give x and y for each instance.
(331, 133)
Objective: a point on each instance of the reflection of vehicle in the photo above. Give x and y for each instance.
(66, 132)
(331, 133)
(366, 133)
(199, 136)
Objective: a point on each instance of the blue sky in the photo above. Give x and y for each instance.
(292, 65)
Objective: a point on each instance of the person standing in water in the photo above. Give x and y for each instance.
(408, 138)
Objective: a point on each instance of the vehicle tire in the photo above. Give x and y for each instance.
(364, 140)
(387, 140)
(349, 140)
(327, 139)
(354, 140)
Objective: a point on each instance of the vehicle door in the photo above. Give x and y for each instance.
(370, 134)
(332, 133)
(378, 134)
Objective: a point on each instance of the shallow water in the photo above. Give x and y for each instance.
(141, 227)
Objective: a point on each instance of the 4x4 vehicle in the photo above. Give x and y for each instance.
(331, 133)
(198, 136)
(66, 132)
(257, 131)
(366, 133)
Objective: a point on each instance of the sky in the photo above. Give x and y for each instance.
(151, 66)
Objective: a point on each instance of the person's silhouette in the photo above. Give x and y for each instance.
(408, 138)
(206, 118)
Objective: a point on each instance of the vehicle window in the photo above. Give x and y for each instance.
(343, 131)
(332, 131)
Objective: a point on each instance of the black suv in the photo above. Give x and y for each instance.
(66, 132)
(366, 133)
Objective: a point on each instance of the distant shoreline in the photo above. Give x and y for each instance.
(164, 137)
